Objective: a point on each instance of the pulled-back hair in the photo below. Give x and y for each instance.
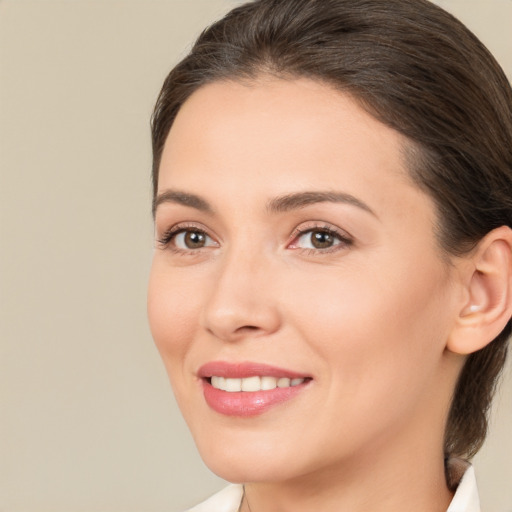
(415, 68)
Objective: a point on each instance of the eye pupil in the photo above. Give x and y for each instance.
(195, 239)
(321, 239)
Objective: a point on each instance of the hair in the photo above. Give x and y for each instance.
(419, 70)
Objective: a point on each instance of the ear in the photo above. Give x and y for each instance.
(487, 304)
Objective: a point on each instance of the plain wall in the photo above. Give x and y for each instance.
(88, 421)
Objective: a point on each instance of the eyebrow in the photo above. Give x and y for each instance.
(303, 199)
(280, 204)
(182, 198)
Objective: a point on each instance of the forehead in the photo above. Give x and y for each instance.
(275, 135)
(298, 110)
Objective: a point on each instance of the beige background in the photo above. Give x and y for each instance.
(88, 422)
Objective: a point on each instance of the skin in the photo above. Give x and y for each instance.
(368, 319)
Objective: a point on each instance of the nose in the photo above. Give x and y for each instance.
(243, 301)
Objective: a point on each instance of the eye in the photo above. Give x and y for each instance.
(187, 239)
(319, 239)
(192, 240)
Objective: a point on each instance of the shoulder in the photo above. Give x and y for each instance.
(227, 500)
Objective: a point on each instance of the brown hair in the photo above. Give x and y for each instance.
(417, 69)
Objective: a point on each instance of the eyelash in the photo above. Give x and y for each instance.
(344, 240)
(165, 240)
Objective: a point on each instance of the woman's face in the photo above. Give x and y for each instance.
(291, 244)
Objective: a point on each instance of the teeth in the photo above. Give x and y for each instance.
(268, 383)
(283, 383)
(219, 383)
(233, 385)
(252, 384)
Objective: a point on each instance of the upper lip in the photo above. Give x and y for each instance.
(245, 369)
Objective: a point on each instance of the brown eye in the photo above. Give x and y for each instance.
(322, 239)
(194, 239)
(190, 239)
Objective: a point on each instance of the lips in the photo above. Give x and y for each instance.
(248, 389)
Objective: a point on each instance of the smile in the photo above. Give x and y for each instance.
(248, 389)
(253, 384)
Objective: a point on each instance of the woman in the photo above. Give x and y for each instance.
(331, 291)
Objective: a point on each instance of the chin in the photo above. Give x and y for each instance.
(254, 457)
(242, 468)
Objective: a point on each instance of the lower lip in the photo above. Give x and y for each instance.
(247, 403)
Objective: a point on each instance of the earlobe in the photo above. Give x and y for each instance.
(488, 299)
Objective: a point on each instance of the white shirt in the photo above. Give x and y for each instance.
(229, 499)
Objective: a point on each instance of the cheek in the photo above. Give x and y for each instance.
(374, 324)
(377, 340)
(172, 313)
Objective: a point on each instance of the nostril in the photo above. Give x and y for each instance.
(249, 328)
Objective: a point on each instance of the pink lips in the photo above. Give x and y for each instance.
(243, 403)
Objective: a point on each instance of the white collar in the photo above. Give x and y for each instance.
(227, 500)
(465, 498)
